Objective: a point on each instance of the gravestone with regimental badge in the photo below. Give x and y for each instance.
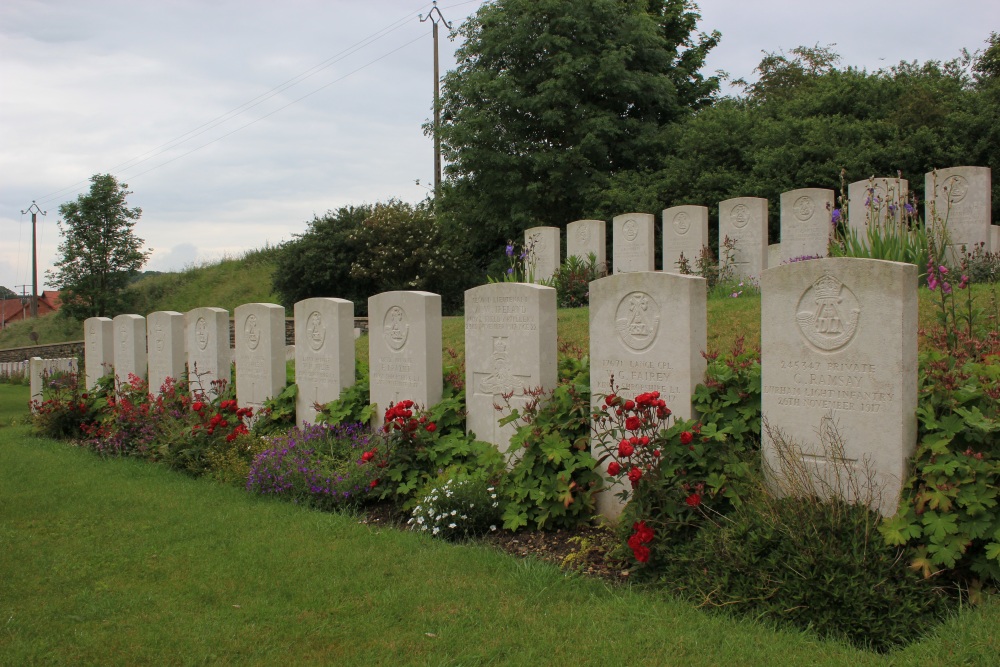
(744, 221)
(876, 199)
(839, 376)
(806, 223)
(167, 356)
(510, 347)
(98, 348)
(586, 237)
(130, 346)
(542, 246)
(647, 333)
(633, 236)
(260, 353)
(324, 353)
(208, 354)
(685, 232)
(404, 350)
(961, 198)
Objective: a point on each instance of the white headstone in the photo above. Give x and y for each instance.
(633, 239)
(324, 353)
(878, 199)
(839, 356)
(648, 331)
(130, 346)
(404, 349)
(685, 231)
(584, 237)
(542, 245)
(744, 220)
(98, 348)
(806, 223)
(260, 353)
(208, 353)
(962, 200)
(167, 357)
(995, 235)
(510, 346)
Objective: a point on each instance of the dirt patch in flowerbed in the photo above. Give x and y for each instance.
(587, 550)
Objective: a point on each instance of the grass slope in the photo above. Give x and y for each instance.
(122, 562)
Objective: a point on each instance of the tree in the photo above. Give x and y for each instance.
(100, 252)
(551, 98)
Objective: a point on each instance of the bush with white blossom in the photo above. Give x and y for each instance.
(457, 509)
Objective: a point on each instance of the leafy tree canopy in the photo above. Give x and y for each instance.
(99, 253)
(551, 98)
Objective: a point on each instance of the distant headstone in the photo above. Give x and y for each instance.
(584, 237)
(879, 199)
(130, 346)
(98, 348)
(633, 239)
(839, 365)
(806, 226)
(542, 244)
(685, 231)
(510, 346)
(404, 349)
(39, 369)
(995, 236)
(744, 220)
(260, 353)
(208, 353)
(648, 332)
(167, 356)
(962, 200)
(324, 353)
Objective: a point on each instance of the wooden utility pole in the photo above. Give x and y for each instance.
(437, 94)
(34, 210)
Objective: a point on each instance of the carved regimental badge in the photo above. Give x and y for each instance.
(315, 331)
(251, 332)
(637, 320)
(201, 333)
(631, 229)
(500, 378)
(740, 216)
(804, 208)
(682, 223)
(395, 328)
(583, 233)
(828, 314)
(957, 187)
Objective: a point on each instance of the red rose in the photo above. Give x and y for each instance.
(641, 553)
(693, 500)
(656, 453)
(614, 468)
(633, 423)
(368, 456)
(686, 437)
(634, 475)
(625, 448)
(643, 533)
(629, 405)
(373, 484)
(644, 440)
(431, 427)
(609, 399)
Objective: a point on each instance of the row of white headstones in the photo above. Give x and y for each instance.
(838, 356)
(963, 196)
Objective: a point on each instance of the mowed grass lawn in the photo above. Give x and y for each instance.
(120, 562)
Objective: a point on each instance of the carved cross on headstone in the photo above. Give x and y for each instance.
(499, 379)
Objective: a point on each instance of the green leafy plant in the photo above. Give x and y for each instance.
(730, 396)
(459, 508)
(278, 412)
(67, 409)
(552, 481)
(352, 406)
(572, 280)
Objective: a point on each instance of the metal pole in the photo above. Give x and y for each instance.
(437, 94)
(34, 210)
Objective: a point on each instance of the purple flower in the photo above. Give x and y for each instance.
(510, 250)
(908, 208)
(836, 216)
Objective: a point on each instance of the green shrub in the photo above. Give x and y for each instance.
(552, 482)
(817, 565)
(572, 280)
(68, 410)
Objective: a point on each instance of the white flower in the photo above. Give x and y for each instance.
(471, 505)
(451, 525)
(454, 512)
(493, 528)
(436, 530)
(464, 517)
(420, 519)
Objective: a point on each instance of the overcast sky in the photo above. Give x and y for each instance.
(142, 89)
